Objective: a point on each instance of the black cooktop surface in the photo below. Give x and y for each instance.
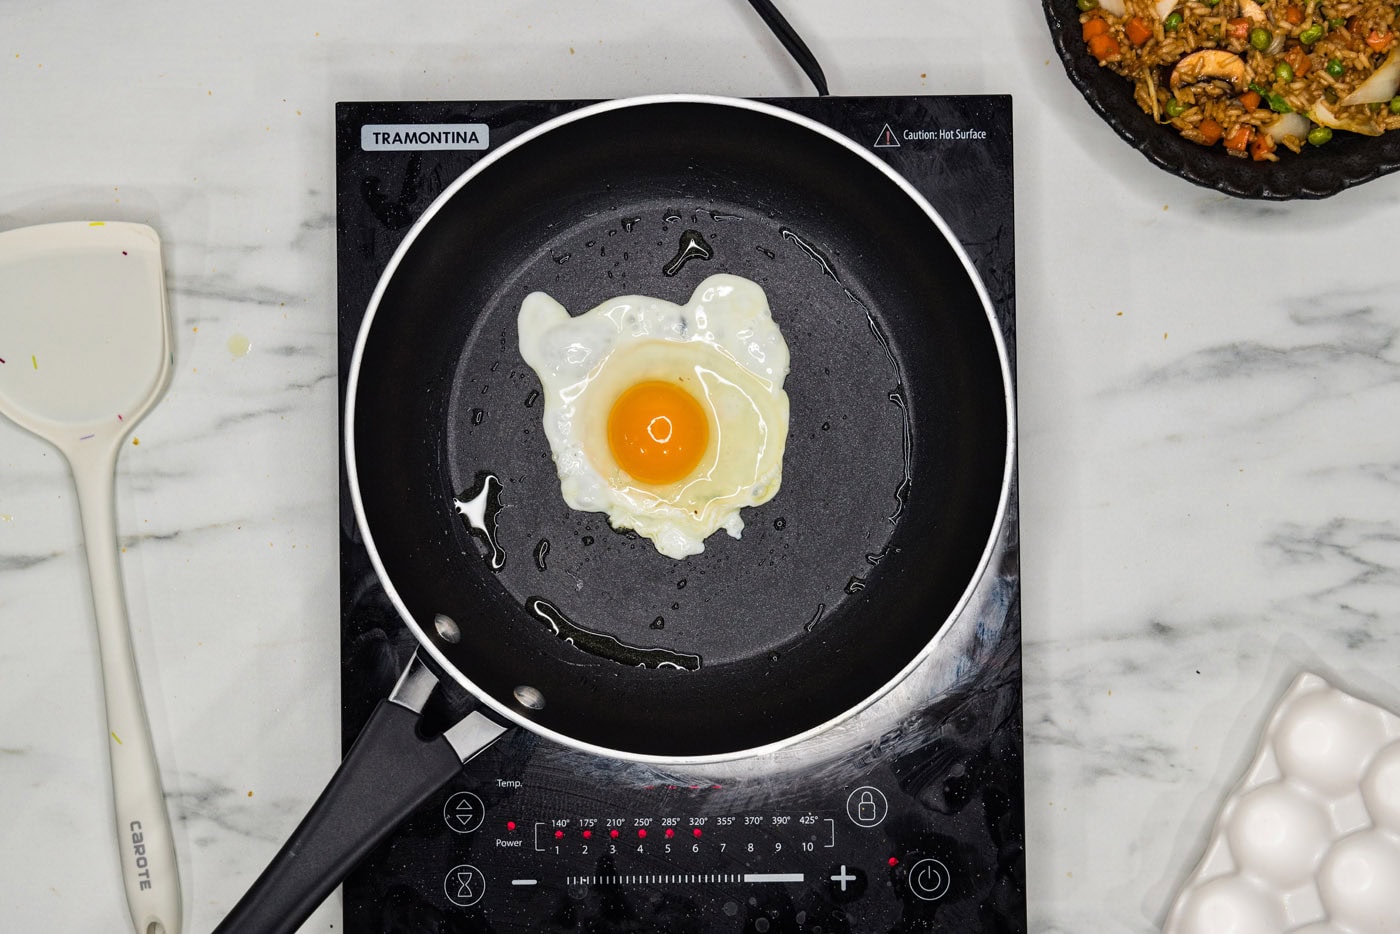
(907, 817)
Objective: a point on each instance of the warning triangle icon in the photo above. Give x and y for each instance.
(886, 139)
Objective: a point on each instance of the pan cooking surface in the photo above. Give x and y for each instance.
(843, 472)
(892, 477)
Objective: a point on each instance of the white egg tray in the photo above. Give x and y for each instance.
(1309, 841)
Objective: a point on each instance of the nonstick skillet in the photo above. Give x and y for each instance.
(894, 485)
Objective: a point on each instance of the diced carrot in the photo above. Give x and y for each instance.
(1095, 26)
(1261, 147)
(1379, 41)
(1138, 31)
(1210, 131)
(1293, 13)
(1237, 28)
(1104, 47)
(1238, 140)
(1297, 56)
(1251, 100)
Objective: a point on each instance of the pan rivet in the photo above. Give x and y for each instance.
(527, 696)
(447, 628)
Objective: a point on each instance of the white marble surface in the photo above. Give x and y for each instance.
(1210, 458)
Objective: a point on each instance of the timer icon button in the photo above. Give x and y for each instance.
(463, 812)
(464, 885)
(929, 879)
(866, 806)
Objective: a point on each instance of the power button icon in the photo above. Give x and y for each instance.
(866, 806)
(929, 879)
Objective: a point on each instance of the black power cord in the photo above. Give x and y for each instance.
(792, 42)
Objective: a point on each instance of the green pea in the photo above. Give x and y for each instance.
(1211, 3)
(1283, 72)
(1173, 22)
(1395, 105)
(1260, 38)
(1311, 34)
(1337, 22)
(1175, 108)
(1374, 108)
(1319, 135)
(1335, 68)
(1087, 5)
(1277, 104)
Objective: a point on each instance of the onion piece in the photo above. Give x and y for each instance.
(1380, 86)
(1321, 115)
(1164, 7)
(1116, 7)
(1294, 124)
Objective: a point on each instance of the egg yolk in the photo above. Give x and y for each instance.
(657, 432)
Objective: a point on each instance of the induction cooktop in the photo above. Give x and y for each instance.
(907, 817)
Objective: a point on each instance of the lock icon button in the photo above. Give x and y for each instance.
(866, 806)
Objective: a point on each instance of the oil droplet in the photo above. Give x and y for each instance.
(541, 551)
(826, 426)
(721, 216)
(773, 657)
(816, 618)
(680, 584)
(609, 647)
(562, 258)
(530, 399)
(855, 585)
(672, 217)
(587, 540)
(675, 606)
(692, 246)
(479, 507)
(659, 623)
(766, 252)
(478, 416)
(876, 557)
(239, 345)
(629, 222)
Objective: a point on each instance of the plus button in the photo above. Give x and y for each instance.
(843, 877)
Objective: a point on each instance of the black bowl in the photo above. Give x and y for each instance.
(1317, 172)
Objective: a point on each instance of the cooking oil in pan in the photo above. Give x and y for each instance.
(479, 507)
(605, 646)
(896, 395)
(692, 246)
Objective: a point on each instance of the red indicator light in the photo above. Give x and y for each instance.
(696, 832)
(613, 833)
(559, 835)
(894, 861)
(510, 825)
(642, 832)
(670, 832)
(587, 834)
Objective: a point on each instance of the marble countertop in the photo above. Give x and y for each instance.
(1209, 455)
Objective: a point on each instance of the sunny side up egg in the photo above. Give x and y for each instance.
(668, 418)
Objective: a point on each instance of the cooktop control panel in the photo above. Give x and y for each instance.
(928, 840)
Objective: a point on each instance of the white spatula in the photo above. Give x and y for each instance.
(86, 350)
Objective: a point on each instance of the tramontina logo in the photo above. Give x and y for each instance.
(381, 137)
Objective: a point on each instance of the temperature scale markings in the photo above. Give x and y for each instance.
(683, 878)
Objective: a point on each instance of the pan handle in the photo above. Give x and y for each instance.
(389, 771)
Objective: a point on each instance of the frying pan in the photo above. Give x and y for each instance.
(895, 476)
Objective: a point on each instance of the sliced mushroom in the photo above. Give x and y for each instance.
(1211, 65)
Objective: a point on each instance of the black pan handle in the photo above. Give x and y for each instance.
(792, 42)
(389, 771)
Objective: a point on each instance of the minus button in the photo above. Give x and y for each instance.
(524, 881)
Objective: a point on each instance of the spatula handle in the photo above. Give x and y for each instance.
(144, 841)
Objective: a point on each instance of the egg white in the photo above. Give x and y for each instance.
(722, 346)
